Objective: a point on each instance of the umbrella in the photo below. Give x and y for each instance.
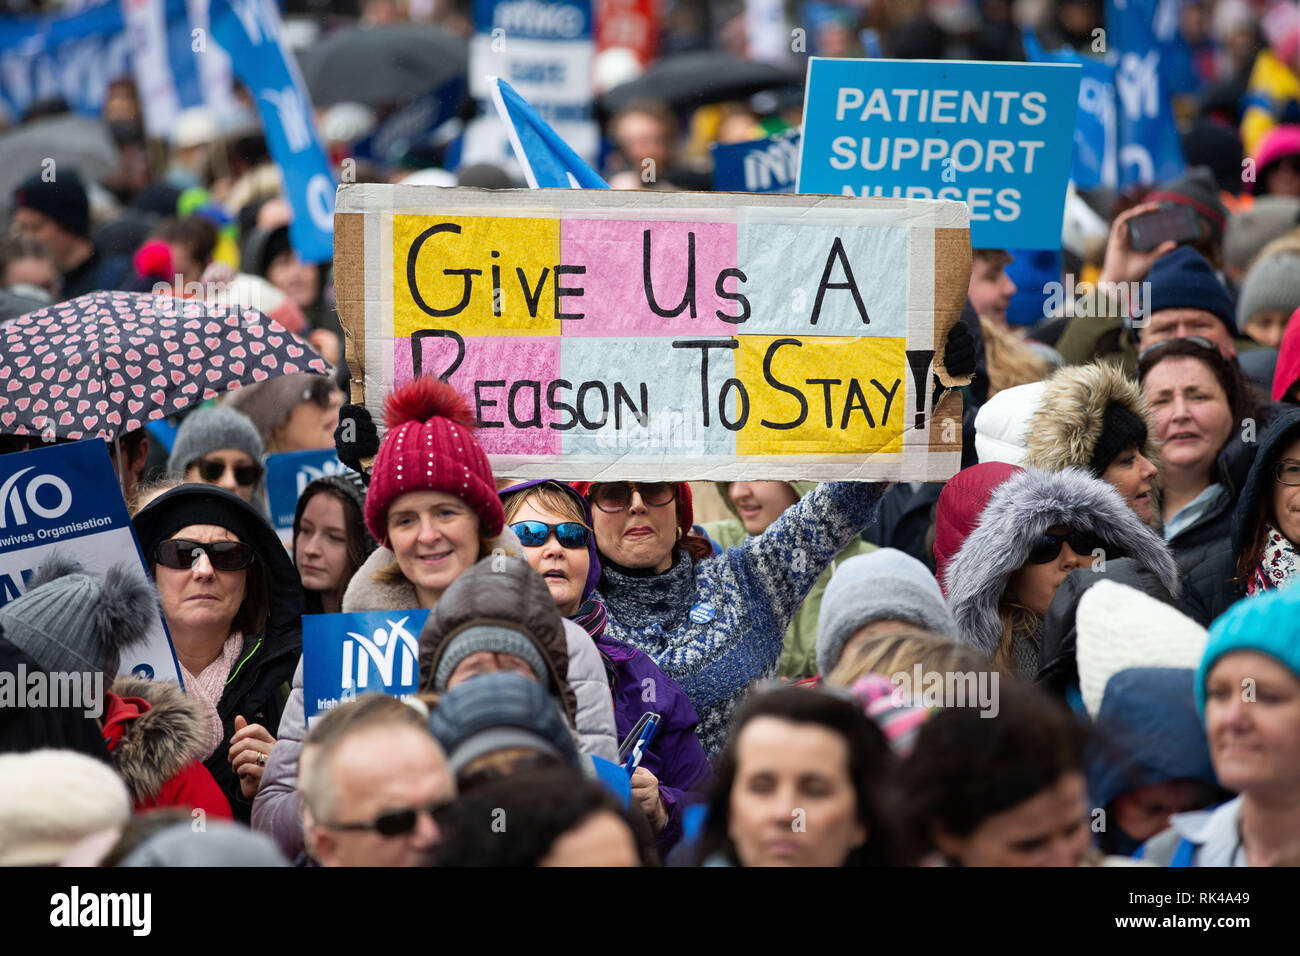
(105, 363)
(73, 142)
(380, 65)
(697, 77)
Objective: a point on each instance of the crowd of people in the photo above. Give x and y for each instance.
(1082, 649)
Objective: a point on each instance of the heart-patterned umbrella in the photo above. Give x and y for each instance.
(103, 364)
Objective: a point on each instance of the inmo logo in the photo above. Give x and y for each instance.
(382, 652)
(13, 498)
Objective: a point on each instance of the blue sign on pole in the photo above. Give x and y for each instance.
(990, 134)
(346, 655)
(65, 500)
(251, 32)
(768, 165)
(287, 474)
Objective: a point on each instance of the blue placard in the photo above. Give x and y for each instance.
(993, 135)
(768, 165)
(287, 474)
(346, 655)
(65, 499)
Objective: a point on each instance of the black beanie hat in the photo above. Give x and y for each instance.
(64, 200)
(1121, 428)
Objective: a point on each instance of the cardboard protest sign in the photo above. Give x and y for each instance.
(344, 655)
(768, 165)
(64, 499)
(608, 334)
(287, 474)
(994, 135)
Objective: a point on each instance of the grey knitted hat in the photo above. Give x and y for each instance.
(1272, 283)
(495, 711)
(72, 621)
(883, 585)
(218, 844)
(212, 429)
(489, 637)
(1252, 229)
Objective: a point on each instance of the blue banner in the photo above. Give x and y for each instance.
(287, 474)
(989, 134)
(75, 56)
(346, 655)
(413, 125)
(251, 32)
(768, 165)
(65, 499)
(546, 159)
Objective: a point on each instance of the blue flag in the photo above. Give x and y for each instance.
(251, 32)
(547, 160)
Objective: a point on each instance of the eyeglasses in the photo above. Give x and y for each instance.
(534, 534)
(1156, 348)
(179, 554)
(1287, 471)
(1048, 546)
(398, 822)
(319, 390)
(615, 496)
(246, 475)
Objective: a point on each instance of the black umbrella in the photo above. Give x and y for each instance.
(700, 76)
(376, 66)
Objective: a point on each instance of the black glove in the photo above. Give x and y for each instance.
(959, 351)
(356, 424)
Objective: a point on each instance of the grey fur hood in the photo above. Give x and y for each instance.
(156, 744)
(1020, 510)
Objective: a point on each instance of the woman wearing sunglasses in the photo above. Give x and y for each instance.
(1265, 550)
(553, 523)
(233, 607)
(291, 412)
(1207, 421)
(219, 446)
(714, 624)
(1037, 528)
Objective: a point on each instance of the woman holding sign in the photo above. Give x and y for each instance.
(233, 606)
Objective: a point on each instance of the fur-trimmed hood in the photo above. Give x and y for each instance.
(1024, 507)
(1067, 424)
(153, 729)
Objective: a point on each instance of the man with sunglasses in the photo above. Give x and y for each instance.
(373, 783)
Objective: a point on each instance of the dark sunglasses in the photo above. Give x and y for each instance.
(246, 475)
(1048, 546)
(318, 390)
(398, 822)
(1152, 351)
(179, 554)
(534, 534)
(615, 496)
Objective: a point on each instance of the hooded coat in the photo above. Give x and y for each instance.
(1067, 424)
(960, 504)
(37, 728)
(154, 734)
(255, 687)
(1019, 511)
(675, 755)
(1209, 586)
(275, 812)
(799, 652)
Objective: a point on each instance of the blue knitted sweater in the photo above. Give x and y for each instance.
(717, 625)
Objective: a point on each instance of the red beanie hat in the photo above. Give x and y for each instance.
(685, 507)
(430, 446)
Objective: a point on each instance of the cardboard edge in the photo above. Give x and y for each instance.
(952, 257)
(350, 293)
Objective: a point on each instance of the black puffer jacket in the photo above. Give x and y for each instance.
(1209, 588)
(258, 683)
(1212, 531)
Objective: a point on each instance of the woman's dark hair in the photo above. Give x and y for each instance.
(253, 613)
(967, 766)
(1256, 530)
(871, 764)
(196, 234)
(1241, 400)
(514, 821)
(355, 531)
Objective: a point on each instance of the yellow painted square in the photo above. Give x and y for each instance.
(823, 357)
(528, 244)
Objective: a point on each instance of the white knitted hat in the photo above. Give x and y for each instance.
(51, 799)
(1002, 423)
(1119, 627)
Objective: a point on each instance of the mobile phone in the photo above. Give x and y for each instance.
(1175, 222)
